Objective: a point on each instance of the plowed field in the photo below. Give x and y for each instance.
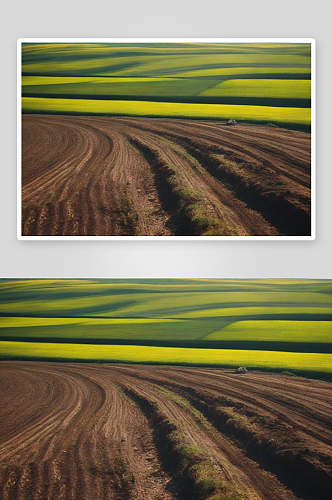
(83, 431)
(161, 177)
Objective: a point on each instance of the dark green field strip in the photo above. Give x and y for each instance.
(79, 314)
(30, 57)
(87, 56)
(102, 70)
(167, 87)
(46, 294)
(18, 290)
(64, 288)
(82, 312)
(314, 347)
(246, 101)
(228, 319)
(83, 329)
(218, 78)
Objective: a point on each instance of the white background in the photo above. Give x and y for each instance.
(159, 18)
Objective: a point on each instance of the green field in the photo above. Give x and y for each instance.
(307, 363)
(285, 331)
(95, 328)
(233, 72)
(268, 324)
(254, 311)
(210, 81)
(136, 87)
(129, 63)
(288, 89)
(284, 116)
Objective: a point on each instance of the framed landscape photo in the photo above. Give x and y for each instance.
(166, 139)
(165, 389)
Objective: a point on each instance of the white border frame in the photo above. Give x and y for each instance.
(310, 41)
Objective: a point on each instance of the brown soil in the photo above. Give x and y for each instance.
(134, 176)
(70, 431)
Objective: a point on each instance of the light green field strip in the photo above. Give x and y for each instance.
(275, 330)
(18, 322)
(239, 71)
(253, 311)
(57, 80)
(201, 304)
(64, 305)
(116, 86)
(287, 89)
(132, 329)
(307, 362)
(166, 64)
(296, 116)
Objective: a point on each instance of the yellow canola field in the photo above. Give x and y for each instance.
(305, 362)
(299, 116)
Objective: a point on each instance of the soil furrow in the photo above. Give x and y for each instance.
(118, 176)
(116, 432)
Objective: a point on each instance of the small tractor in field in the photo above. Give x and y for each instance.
(231, 122)
(241, 369)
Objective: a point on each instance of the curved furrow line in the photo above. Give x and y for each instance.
(307, 429)
(56, 179)
(310, 405)
(192, 435)
(242, 139)
(120, 189)
(124, 427)
(171, 133)
(252, 141)
(42, 432)
(242, 472)
(293, 412)
(224, 205)
(114, 431)
(134, 186)
(217, 201)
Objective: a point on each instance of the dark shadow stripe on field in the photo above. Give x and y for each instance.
(246, 345)
(61, 56)
(230, 319)
(245, 76)
(158, 72)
